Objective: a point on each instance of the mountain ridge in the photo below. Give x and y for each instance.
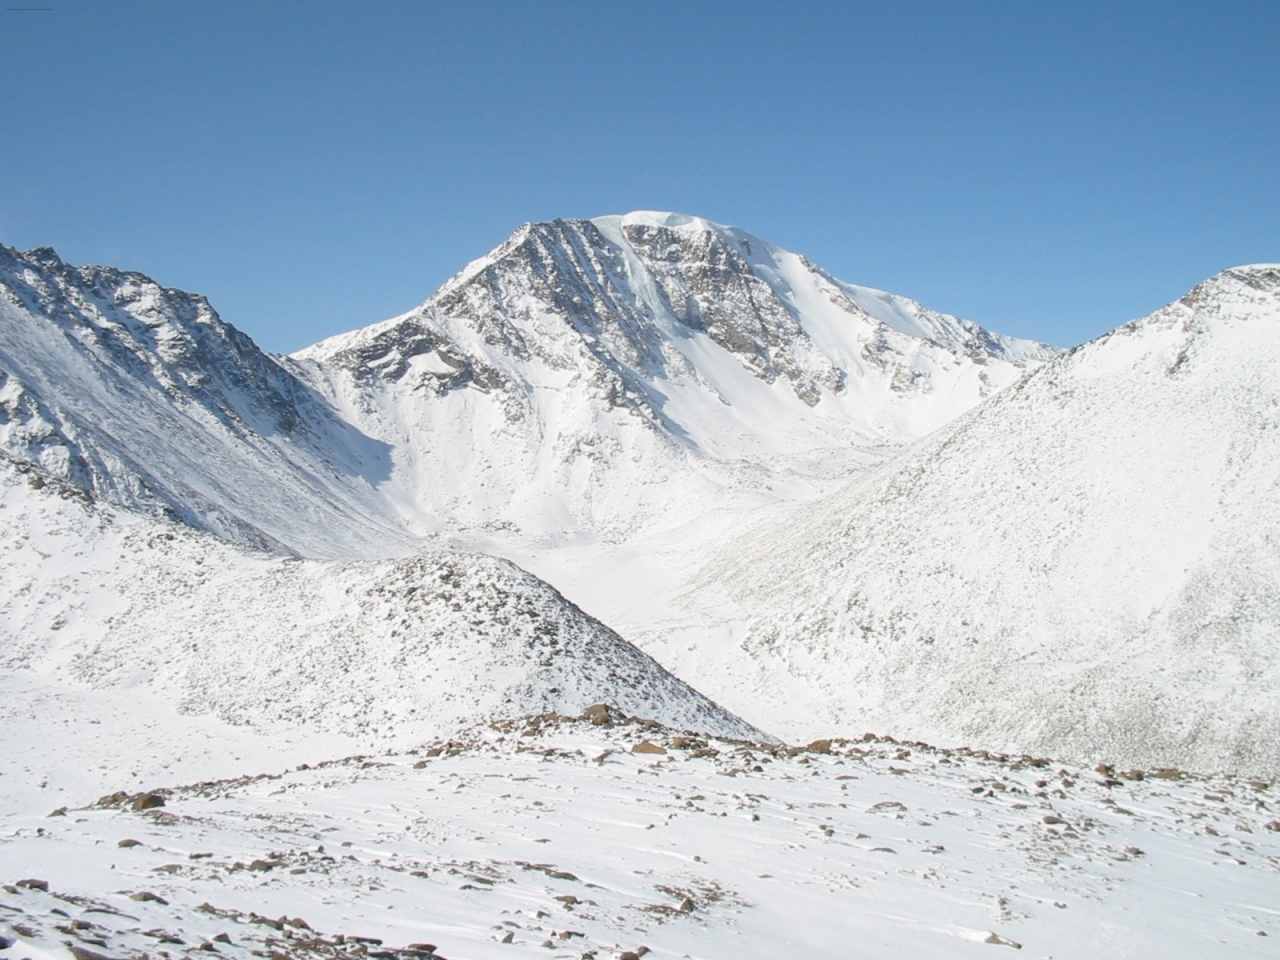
(683, 361)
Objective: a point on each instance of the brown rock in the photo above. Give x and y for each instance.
(819, 746)
(644, 746)
(127, 843)
(80, 953)
(147, 801)
(996, 938)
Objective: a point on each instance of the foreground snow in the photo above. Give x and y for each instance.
(549, 837)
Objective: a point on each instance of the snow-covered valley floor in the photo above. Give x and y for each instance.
(553, 838)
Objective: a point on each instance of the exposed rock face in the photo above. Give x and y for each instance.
(1085, 566)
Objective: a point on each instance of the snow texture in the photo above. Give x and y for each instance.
(1085, 566)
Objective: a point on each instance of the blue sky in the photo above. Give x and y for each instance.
(1047, 169)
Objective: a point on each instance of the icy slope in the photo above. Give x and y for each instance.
(384, 652)
(1085, 566)
(144, 395)
(595, 378)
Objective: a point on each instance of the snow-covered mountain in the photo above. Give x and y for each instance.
(597, 377)
(380, 651)
(145, 396)
(1085, 566)
(587, 379)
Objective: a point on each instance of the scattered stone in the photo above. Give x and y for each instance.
(996, 938)
(886, 805)
(222, 938)
(80, 953)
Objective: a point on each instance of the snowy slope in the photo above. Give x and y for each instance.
(1085, 566)
(595, 378)
(145, 396)
(385, 652)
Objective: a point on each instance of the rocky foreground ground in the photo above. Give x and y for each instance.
(608, 837)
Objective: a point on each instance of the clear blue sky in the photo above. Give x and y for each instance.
(1047, 169)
